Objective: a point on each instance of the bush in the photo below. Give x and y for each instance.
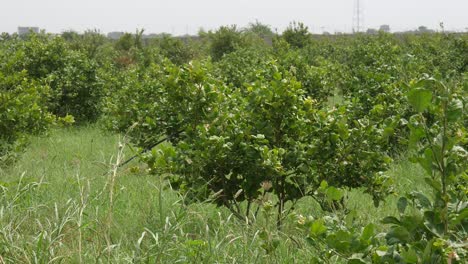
(76, 88)
(428, 229)
(243, 66)
(225, 40)
(297, 35)
(161, 101)
(175, 49)
(23, 111)
(72, 77)
(233, 142)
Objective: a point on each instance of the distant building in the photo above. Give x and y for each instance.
(384, 28)
(115, 35)
(27, 30)
(424, 29)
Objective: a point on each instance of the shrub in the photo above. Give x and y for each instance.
(269, 133)
(76, 88)
(72, 77)
(175, 49)
(23, 111)
(243, 66)
(297, 35)
(225, 40)
(427, 229)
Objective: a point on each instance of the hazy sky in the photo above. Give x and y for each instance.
(182, 16)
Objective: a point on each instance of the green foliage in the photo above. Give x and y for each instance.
(320, 80)
(261, 30)
(76, 88)
(224, 40)
(257, 137)
(439, 138)
(23, 111)
(164, 101)
(89, 43)
(228, 142)
(428, 229)
(256, 131)
(125, 42)
(297, 35)
(243, 66)
(349, 153)
(74, 85)
(175, 49)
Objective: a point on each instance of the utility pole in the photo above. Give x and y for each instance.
(357, 17)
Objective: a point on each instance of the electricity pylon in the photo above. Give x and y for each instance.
(358, 17)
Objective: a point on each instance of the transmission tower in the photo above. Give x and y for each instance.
(358, 17)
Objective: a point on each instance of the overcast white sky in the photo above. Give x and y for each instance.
(182, 16)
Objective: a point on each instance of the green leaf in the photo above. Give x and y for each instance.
(427, 161)
(341, 240)
(409, 256)
(412, 221)
(433, 183)
(388, 131)
(334, 194)
(368, 232)
(455, 110)
(420, 98)
(323, 185)
(391, 220)
(416, 134)
(350, 217)
(434, 223)
(461, 217)
(423, 200)
(195, 243)
(356, 261)
(397, 235)
(318, 228)
(402, 204)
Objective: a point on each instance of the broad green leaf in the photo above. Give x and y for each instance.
(461, 217)
(419, 98)
(350, 217)
(318, 228)
(397, 235)
(427, 160)
(433, 183)
(434, 223)
(455, 110)
(402, 204)
(416, 134)
(409, 256)
(334, 194)
(423, 200)
(391, 220)
(368, 232)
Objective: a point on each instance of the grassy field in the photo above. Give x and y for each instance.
(65, 201)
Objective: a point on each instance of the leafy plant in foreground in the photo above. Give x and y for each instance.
(428, 229)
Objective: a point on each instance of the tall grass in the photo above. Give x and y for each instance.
(65, 201)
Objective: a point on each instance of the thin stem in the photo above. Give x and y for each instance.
(444, 171)
(281, 197)
(247, 211)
